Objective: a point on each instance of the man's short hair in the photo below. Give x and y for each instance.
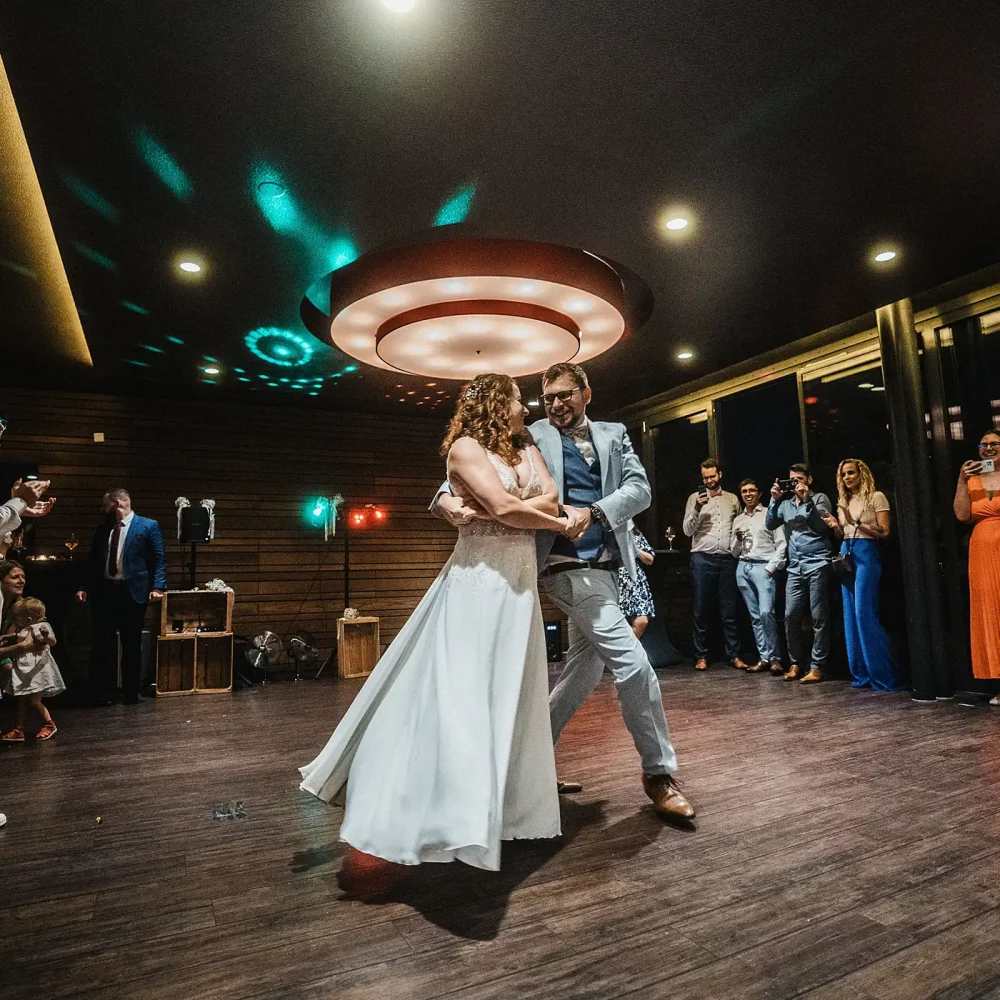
(800, 467)
(749, 482)
(575, 372)
(118, 493)
(711, 463)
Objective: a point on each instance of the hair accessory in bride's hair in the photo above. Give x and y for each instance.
(472, 392)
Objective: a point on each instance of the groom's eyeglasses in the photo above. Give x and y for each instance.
(549, 398)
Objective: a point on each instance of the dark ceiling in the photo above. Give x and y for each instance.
(797, 135)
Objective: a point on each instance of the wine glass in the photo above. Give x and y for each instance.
(71, 543)
(671, 535)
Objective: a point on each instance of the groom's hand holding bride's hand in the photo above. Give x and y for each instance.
(577, 522)
(457, 511)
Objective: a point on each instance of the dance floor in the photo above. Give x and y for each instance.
(847, 845)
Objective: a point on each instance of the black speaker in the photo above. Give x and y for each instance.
(553, 640)
(194, 523)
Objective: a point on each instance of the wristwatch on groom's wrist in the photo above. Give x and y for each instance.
(599, 516)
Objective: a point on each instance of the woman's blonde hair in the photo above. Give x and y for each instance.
(866, 487)
(483, 413)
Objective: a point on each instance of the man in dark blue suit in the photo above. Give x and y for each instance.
(126, 569)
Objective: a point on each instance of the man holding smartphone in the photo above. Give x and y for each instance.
(708, 522)
(809, 527)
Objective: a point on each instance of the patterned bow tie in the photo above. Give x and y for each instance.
(579, 433)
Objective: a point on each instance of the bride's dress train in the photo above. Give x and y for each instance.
(447, 748)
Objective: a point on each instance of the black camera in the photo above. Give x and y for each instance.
(786, 485)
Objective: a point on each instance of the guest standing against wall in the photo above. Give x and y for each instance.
(708, 522)
(126, 569)
(809, 530)
(977, 499)
(863, 518)
(761, 554)
(634, 596)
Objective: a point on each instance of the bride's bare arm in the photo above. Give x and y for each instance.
(468, 462)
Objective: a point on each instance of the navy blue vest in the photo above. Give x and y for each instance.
(582, 486)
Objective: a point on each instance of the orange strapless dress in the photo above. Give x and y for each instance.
(984, 581)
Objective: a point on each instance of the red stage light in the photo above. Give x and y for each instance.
(811, 400)
(367, 516)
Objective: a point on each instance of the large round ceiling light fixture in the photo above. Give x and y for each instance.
(452, 308)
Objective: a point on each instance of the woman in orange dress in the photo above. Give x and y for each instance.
(977, 499)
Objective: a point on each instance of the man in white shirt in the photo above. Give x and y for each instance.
(708, 522)
(761, 554)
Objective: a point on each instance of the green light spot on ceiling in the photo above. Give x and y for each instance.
(314, 394)
(272, 196)
(163, 165)
(243, 378)
(211, 361)
(456, 208)
(150, 347)
(342, 252)
(139, 364)
(86, 194)
(350, 368)
(210, 381)
(239, 371)
(132, 307)
(93, 255)
(175, 340)
(280, 347)
(284, 380)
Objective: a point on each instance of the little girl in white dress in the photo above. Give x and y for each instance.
(32, 674)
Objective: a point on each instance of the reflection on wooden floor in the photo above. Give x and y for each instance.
(848, 845)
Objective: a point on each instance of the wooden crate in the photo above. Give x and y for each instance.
(194, 664)
(204, 610)
(357, 646)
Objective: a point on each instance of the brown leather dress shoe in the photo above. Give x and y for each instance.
(737, 664)
(701, 665)
(759, 668)
(777, 669)
(668, 802)
(813, 677)
(793, 673)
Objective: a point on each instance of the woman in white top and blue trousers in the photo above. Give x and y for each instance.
(863, 513)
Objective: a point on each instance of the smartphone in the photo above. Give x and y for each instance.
(987, 465)
(702, 490)
(786, 485)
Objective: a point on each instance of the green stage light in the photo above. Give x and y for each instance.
(163, 165)
(89, 196)
(93, 255)
(279, 347)
(456, 208)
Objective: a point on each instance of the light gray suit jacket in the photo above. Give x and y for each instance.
(626, 488)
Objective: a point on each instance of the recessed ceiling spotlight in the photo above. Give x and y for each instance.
(878, 388)
(190, 266)
(685, 355)
(676, 223)
(211, 371)
(400, 6)
(884, 256)
(866, 385)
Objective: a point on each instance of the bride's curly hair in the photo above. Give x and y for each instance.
(483, 413)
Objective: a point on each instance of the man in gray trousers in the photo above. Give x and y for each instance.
(602, 484)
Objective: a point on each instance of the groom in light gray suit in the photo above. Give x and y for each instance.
(602, 485)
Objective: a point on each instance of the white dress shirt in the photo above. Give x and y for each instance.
(755, 542)
(125, 523)
(710, 527)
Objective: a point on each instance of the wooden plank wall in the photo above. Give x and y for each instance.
(260, 464)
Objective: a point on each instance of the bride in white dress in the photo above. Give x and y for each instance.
(447, 748)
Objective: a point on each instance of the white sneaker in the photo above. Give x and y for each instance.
(3, 819)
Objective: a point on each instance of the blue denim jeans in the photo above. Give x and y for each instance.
(808, 591)
(757, 589)
(714, 583)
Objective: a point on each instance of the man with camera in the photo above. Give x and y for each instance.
(809, 527)
(708, 522)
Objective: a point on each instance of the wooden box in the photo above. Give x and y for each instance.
(194, 610)
(194, 664)
(357, 646)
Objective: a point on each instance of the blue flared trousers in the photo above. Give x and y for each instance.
(868, 652)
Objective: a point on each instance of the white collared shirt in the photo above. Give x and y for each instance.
(126, 521)
(579, 433)
(710, 527)
(753, 541)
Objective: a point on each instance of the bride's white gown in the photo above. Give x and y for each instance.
(447, 748)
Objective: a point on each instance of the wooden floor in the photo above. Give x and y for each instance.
(848, 846)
